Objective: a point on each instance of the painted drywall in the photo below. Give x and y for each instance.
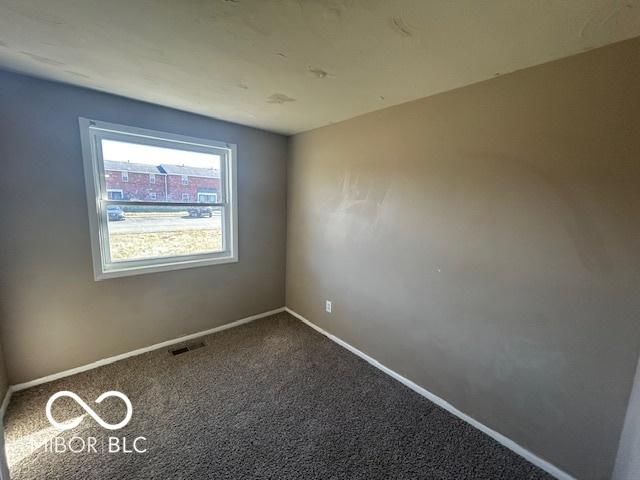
(485, 244)
(293, 65)
(55, 316)
(627, 465)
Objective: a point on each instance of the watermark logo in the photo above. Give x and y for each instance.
(77, 444)
(74, 423)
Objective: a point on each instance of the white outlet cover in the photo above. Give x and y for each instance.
(327, 306)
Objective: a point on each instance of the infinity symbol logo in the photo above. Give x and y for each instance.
(89, 410)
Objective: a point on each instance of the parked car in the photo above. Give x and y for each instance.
(198, 212)
(115, 212)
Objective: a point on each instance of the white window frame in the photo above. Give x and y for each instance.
(186, 198)
(92, 132)
(153, 196)
(124, 176)
(152, 178)
(185, 179)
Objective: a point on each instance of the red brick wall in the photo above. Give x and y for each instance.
(138, 187)
(175, 187)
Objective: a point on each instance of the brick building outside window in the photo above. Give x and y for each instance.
(163, 182)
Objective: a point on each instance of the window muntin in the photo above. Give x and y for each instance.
(158, 227)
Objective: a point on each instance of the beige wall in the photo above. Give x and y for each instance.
(55, 316)
(485, 243)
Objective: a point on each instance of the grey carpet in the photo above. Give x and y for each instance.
(272, 399)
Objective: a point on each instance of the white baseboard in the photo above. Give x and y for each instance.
(5, 402)
(507, 442)
(133, 353)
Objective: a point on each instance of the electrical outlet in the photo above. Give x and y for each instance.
(327, 306)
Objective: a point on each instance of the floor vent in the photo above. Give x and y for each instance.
(187, 348)
(180, 350)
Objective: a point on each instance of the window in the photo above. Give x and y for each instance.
(207, 197)
(152, 178)
(185, 180)
(114, 194)
(125, 176)
(130, 237)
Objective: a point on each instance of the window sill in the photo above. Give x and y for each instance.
(105, 274)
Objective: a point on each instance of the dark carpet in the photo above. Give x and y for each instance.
(272, 399)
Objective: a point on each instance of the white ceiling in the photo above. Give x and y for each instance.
(294, 65)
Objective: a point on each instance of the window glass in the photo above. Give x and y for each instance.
(159, 231)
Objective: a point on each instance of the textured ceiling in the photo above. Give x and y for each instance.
(293, 65)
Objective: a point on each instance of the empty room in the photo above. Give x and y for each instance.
(320, 239)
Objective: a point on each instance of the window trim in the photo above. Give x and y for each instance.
(90, 132)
